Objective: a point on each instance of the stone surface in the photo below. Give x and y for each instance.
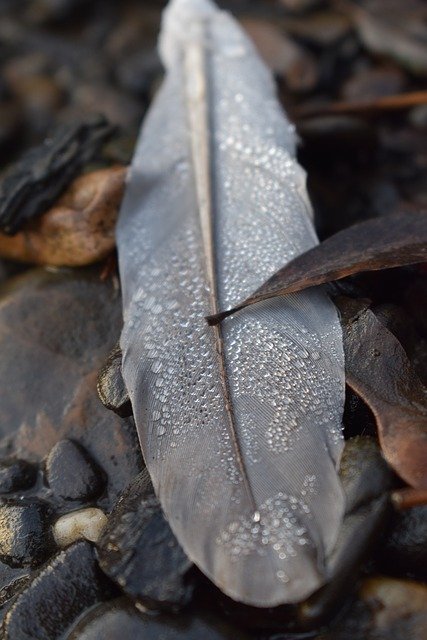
(16, 475)
(139, 551)
(111, 386)
(72, 474)
(25, 531)
(56, 330)
(120, 620)
(84, 523)
(69, 584)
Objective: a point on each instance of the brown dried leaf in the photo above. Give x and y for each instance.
(378, 370)
(368, 107)
(78, 230)
(380, 243)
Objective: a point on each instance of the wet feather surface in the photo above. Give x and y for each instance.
(240, 425)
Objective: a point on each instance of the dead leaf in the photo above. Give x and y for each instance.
(368, 107)
(78, 230)
(380, 243)
(379, 371)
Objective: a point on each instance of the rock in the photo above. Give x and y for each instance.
(392, 601)
(56, 330)
(119, 620)
(363, 471)
(56, 596)
(80, 227)
(405, 548)
(141, 554)
(84, 523)
(33, 183)
(25, 537)
(386, 609)
(111, 386)
(72, 474)
(16, 475)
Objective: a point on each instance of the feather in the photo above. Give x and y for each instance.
(240, 425)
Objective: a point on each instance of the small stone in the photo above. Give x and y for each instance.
(141, 554)
(57, 595)
(72, 474)
(111, 386)
(120, 619)
(85, 523)
(16, 475)
(25, 537)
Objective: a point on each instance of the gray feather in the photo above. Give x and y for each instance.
(240, 426)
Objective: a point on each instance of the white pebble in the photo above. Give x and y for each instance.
(85, 523)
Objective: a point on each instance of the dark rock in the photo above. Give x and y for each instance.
(119, 620)
(25, 531)
(56, 330)
(385, 609)
(139, 551)
(111, 386)
(16, 475)
(405, 548)
(364, 473)
(72, 474)
(39, 177)
(56, 596)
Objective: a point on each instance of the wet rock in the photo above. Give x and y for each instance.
(56, 330)
(394, 601)
(139, 551)
(363, 471)
(386, 609)
(56, 596)
(405, 548)
(84, 523)
(111, 386)
(38, 178)
(72, 474)
(25, 536)
(118, 620)
(16, 475)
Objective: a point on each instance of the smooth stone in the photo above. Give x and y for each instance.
(25, 532)
(72, 474)
(84, 523)
(16, 475)
(120, 620)
(111, 386)
(56, 330)
(57, 596)
(386, 609)
(140, 553)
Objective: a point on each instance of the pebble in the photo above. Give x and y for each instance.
(120, 620)
(72, 474)
(56, 330)
(111, 386)
(141, 554)
(84, 523)
(25, 537)
(16, 475)
(67, 585)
